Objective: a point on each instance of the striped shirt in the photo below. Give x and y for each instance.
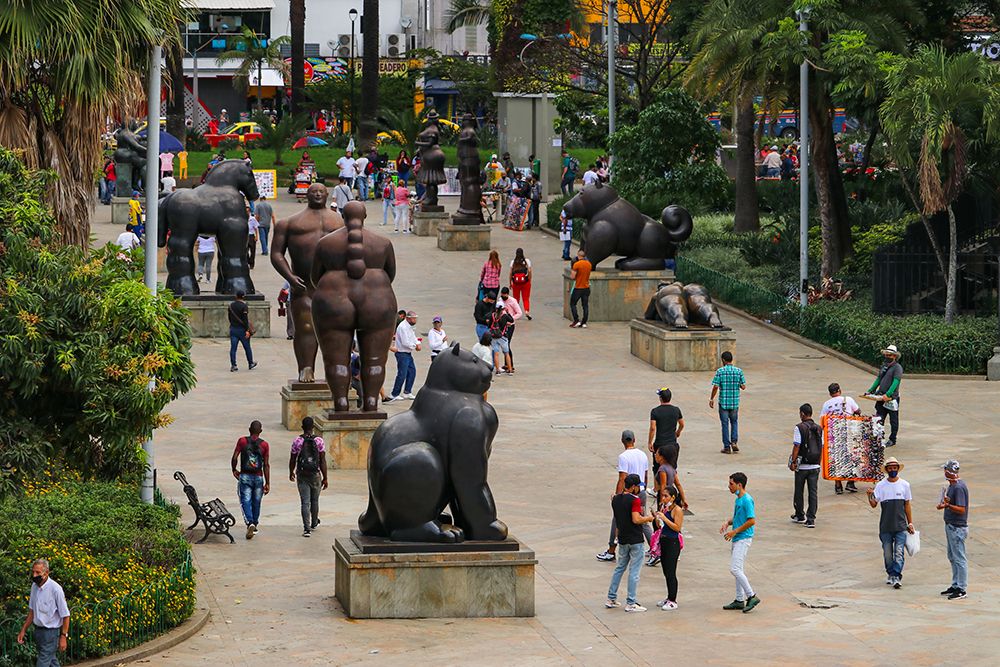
(728, 379)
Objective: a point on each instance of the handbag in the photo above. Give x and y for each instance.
(913, 543)
(654, 543)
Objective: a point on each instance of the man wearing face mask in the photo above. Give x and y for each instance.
(955, 503)
(893, 494)
(48, 612)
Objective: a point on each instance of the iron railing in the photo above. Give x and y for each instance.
(732, 291)
(114, 625)
(905, 282)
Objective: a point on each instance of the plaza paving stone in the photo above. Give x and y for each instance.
(552, 473)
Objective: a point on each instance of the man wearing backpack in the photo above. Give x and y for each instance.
(253, 475)
(570, 165)
(307, 468)
(807, 451)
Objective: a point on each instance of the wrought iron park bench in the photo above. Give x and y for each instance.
(213, 514)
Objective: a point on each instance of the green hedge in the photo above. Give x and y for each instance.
(927, 343)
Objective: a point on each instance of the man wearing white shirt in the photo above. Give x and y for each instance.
(632, 461)
(361, 166)
(404, 344)
(840, 405)
(127, 239)
(252, 226)
(48, 612)
(168, 182)
(347, 168)
(590, 176)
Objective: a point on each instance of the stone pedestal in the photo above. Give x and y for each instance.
(993, 366)
(348, 438)
(464, 584)
(463, 237)
(679, 349)
(119, 211)
(425, 223)
(301, 399)
(617, 296)
(209, 314)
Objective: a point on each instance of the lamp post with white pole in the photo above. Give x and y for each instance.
(803, 169)
(151, 184)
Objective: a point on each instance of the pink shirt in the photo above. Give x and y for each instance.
(490, 276)
(512, 308)
(402, 195)
(166, 161)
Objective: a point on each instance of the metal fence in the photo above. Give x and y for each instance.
(731, 291)
(114, 625)
(905, 282)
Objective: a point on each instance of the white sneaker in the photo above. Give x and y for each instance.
(662, 602)
(612, 604)
(409, 397)
(651, 493)
(669, 606)
(634, 607)
(390, 399)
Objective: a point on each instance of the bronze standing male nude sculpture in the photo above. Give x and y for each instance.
(300, 235)
(352, 273)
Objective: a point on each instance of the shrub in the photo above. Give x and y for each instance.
(81, 340)
(552, 211)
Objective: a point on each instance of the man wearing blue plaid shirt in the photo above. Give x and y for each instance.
(727, 383)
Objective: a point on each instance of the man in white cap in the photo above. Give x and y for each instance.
(885, 391)
(773, 163)
(955, 503)
(893, 494)
(405, 343)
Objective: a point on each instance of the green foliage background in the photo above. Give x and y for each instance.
(81, 339)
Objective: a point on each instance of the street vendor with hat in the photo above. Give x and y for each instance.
(893, 495)
(885, 391)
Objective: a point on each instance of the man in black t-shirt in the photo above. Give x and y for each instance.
(665, 425)
(629, 519)
(240, 330)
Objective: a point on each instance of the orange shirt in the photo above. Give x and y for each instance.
(582, 268)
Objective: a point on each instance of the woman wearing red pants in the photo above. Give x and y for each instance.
(520, 281)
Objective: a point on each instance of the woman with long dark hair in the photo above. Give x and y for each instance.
(672, 518)
(403, 167)
(520, 281)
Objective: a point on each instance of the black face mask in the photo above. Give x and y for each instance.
(37, 579)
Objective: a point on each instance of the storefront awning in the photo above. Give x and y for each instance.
(217, 5)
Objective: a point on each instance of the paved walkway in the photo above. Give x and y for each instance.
(552, 473)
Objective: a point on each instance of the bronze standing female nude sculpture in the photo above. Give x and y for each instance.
(352, 272)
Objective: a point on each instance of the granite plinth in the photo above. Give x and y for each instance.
(383, 545)
(348, 437)
(993, 366)
(301, 399)
(435, 208)
(459, 219)
(463, 237)
(472, 584)
(425, 223)
(694, 349)
(120, 211)
(209, 314)
(617, 296)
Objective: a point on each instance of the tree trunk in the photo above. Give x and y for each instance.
(369, 77)
(747, 217)
(260, 67)
(938, 254)
(869, 145)
(297, 18)
(835, 225)
(176, 111)
(950, 306)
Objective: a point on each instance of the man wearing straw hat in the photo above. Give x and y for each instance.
(885, 391)
(893, 494)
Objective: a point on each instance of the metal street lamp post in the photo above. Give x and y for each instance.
(354, 15)
(612, 36)
(803, 170)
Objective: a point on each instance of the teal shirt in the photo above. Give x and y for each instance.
(728, 379)
(743, 510)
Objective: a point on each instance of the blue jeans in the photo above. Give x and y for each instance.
(406, 371)
(250, 489)
(956, 554)
(387, 209)
(480, 330)
(238, 336)
(730, 432)
(362, 183)
(262, 232)
(893, 551)
(566, 249)
(630, 556)
(404, 177)
(47, 641)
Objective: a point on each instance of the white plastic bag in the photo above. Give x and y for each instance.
(913, 543)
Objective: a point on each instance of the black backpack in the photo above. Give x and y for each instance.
(307, 463)
(811, 448)
(251, 458)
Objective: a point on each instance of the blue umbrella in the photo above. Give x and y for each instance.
(168, 142)
(308, 141)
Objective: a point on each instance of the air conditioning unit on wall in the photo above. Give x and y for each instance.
(342, 47)
(394, 45)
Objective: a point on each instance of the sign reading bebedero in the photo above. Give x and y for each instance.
(319, 69)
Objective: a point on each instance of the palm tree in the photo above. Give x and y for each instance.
(462, 13)
(65, 68)
(404, 127)
(297, 19)
(251, 51)
(281, 135)
(931, 96)
(729, 62)
(369, 75)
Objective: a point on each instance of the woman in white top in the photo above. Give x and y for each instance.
(484, 350)
(437, 338)
(206, 252)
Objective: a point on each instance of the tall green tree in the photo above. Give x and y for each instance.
(935, 102)
(297, 21)
(65, 68)
(251, 52)
(280, 136)
(369, 75)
